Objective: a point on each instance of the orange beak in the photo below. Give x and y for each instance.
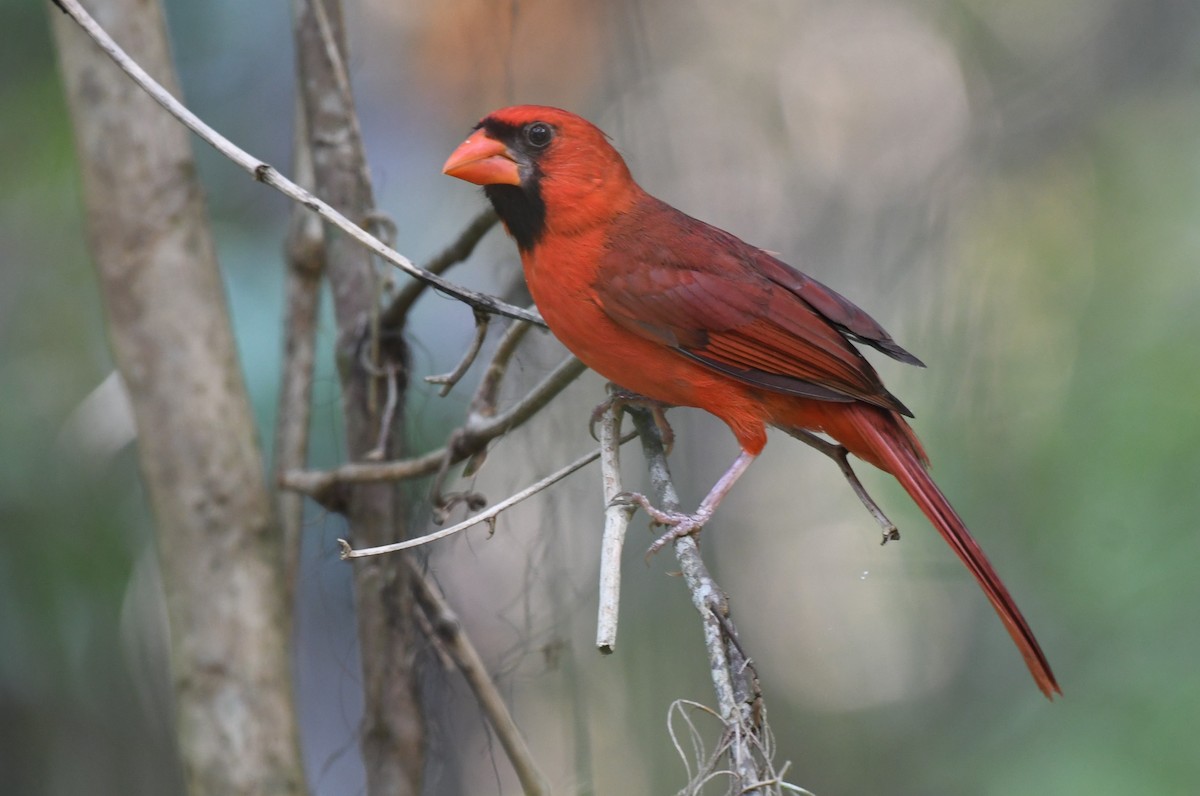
(483, 161)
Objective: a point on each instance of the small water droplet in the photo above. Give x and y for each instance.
(864, 574)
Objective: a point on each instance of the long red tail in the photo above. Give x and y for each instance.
(885, 440)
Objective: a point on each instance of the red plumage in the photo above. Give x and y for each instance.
(688, 315)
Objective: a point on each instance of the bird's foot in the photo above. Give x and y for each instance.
(679, 524)
(619, 398)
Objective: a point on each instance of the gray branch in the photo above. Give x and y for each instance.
(392, 736)
(739, 702)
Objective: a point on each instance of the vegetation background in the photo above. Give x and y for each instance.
(1012, 189)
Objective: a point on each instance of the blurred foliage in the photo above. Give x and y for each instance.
(1043, 261)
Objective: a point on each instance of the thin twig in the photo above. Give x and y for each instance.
(472, 438)
(453, 254)
(317, 483)
(709, 602)
(488, 515)
(679, 708)
(616, 523)
(464, 442)
(448, 380)
(470, 441)
(484, 402)
(392, 377)
(269, 175)
(454, 641)
(551, 385)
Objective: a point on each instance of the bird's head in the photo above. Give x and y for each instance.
(543, 167)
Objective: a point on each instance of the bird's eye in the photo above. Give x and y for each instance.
(538, 134)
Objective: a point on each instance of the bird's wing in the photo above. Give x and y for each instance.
(834, 307)
(707, 297)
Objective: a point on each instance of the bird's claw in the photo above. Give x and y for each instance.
(687, 525)
(626, 499)
(657, 516)
(679, 524)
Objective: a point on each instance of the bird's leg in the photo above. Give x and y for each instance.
(840, 455)
(690, 524)
(619, 398)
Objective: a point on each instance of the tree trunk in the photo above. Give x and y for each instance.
(393, 731)
(172, 341)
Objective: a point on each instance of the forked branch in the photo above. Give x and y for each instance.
(470, 439)
(487, 515)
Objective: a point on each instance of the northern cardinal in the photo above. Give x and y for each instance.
(686, 314)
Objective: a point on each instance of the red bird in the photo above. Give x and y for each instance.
(686, 314)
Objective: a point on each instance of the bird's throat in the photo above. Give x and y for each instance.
(522, 210)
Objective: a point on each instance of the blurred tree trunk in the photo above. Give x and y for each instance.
(171, 338)
(393, 730)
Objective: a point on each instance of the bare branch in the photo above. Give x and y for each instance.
(391, 375)
(545, 390)
(467, 441)
(616, 522)
(341, 80)
(448, 380)
(470, 441)
(484, 402)
(317, 484)
(269, 175)
(742, 718)
(392, 734)
(489, 515)
(305, 254)
(444, 623)
(620, 398)
(453, 254)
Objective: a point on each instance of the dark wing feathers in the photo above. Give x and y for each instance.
(736, 309)
(836, 308)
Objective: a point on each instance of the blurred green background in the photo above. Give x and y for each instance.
(1013, 189)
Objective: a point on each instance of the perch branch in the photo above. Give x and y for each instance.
(269, 175)
(616, 523)
(739, 716)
